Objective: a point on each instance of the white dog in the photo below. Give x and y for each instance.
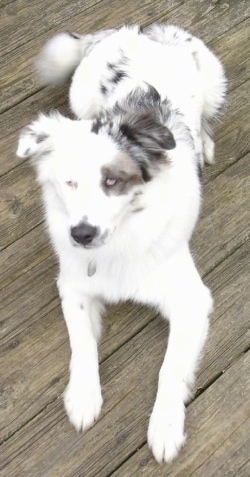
(121, 191)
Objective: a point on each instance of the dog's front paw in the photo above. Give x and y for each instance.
(83, 404)
(166, 430)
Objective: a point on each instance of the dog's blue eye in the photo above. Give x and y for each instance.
(109, 182)
(72, 184)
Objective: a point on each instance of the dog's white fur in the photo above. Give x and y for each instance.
(142, 249)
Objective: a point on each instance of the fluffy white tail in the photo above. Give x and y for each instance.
(62, 54)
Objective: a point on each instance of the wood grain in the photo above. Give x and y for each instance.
(219, 433)
(17, 65)
(37, 439)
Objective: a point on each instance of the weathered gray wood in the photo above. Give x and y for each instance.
(219, 433)
(34, 349)
(34, 247)
(57, 14)
(45, 15)
(19, 211)
(17, 64)
(24, 297)
(235, 106)
(229, 149)
(225, 215)
(209, 19)
(226, 46)
(193, 14)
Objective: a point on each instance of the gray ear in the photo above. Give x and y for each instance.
(143, 123)
(35, 139)
(146, 131)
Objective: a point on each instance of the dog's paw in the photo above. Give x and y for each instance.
(83, 404)
(166, 430)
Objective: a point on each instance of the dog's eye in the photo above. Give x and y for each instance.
(72, 184)
(110, 181)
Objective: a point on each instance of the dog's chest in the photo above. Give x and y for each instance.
(116, 279)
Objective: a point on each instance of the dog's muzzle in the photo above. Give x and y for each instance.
(84, 233)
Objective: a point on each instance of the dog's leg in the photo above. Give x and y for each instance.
(188, 304)
(82, 397)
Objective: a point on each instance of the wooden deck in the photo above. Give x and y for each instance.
(36, 437)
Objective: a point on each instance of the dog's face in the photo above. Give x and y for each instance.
(97, 169)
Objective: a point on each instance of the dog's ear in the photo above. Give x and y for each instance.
(35, 139)
(142, 128)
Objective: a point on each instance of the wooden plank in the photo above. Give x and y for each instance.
(17, 66)
(34, 247)
(229, 149)
(231, 303)
(244, 470)
(225, 214)
(233, 48)
(128, 396)
(57, 14)
(20, 204)
(16, 16)
(209, 20)
(219, 433)
(35, 363)
(235, 106)
(23, 298)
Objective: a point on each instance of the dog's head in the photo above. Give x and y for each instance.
(98, 168)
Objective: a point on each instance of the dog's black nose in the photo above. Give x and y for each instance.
(83, 233)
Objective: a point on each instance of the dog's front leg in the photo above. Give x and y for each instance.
(82, 397)
(188, 305)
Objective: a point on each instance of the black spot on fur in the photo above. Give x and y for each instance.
(110, 66)
(145, 174)
(74, 35)
(141, 29)
(41, 137)
(199, 162)
(200, 172)
(103, 88)
(189, 38)
(140, 209)
(118, 76)
(127, 131)
(96, 125)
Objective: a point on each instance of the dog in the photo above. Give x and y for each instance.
(122, 190)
